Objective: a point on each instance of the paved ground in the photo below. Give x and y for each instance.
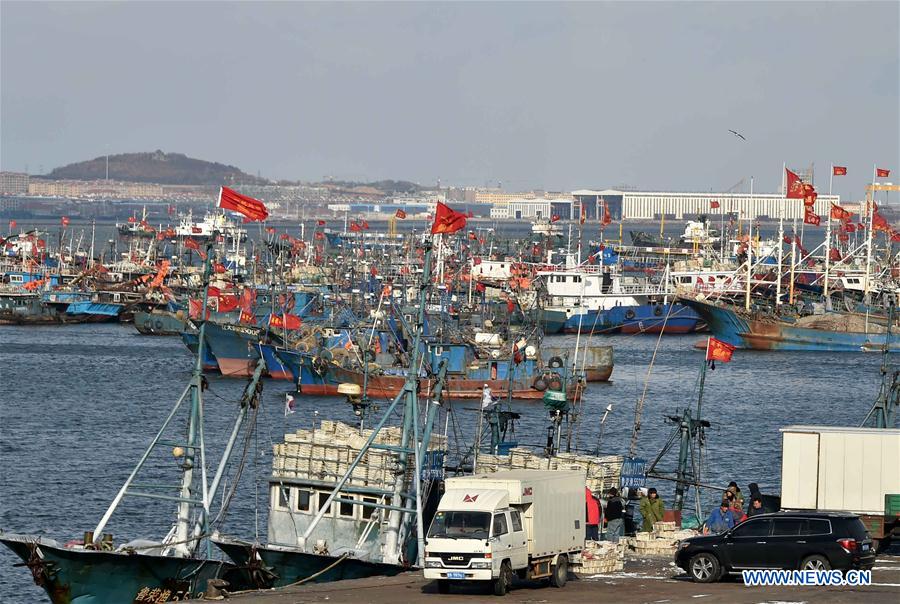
(643, 581)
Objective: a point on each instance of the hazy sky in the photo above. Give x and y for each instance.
(558, 96)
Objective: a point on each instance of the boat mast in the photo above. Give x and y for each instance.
(749, 248)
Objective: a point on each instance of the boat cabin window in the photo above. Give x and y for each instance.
(346, 509)
(367, 511)
(576, 279)
(322, 500)
(281, 496)
(16, 279)
(500, 527)
(303, 500)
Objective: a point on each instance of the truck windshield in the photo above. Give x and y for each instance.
(460, 525)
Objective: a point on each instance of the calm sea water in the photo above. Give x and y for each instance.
(79, 403)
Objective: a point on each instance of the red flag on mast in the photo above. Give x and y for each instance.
(882, 173)
(447, 220)
(839, 170)
(252, 209)
(794, 188)
(717, 350)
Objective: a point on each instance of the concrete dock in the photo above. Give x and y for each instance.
(645, 581)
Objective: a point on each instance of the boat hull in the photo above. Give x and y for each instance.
(159, 323)
(266, 567)
(77, 576)
(770, 333)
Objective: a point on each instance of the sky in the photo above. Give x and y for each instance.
(553, 96)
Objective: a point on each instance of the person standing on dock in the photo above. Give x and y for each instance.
(592, 516)
(615, 516)
(720, 519)
(652, 509)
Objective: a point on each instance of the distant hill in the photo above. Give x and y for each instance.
(156, 167)
(390, 187)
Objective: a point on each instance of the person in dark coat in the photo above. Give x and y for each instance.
(756, 508)
(615, 516)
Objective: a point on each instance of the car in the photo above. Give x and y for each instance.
(783, 540)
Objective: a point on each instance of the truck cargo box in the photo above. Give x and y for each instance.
(551, 503)
(839, 469)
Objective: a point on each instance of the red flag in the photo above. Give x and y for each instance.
(195, 308)
(132, 220)
(196, 230)
(285, 321)
(447, 220)
(270, 230)
(882, 173)
(365, 225)
(472, 235)
(583, 214)
(247, 317)
(834, 254)
(161, 236)
(319, 236)
(510, 305)
(400, 214)
(65, 221)
(714, 204)
(839, 213)
(191, 243)
(848, 227)
(320, 222)
(794, 188)
(13, 224)
(717, 350)
(285, 236)
(355, 228)
(219, 267)
(607, 218)
(554, 218)
(809, 195)
(252, 209)
(842, 236)
(879, 222)
(895, 236)
(810, 217)
(839, 171)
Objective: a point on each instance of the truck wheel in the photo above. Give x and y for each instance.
(443, 586)
(815, 563)
(704, 568)
(504, 580)
(560, 573)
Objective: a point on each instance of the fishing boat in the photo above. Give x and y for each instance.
(818, 330)
(179, 566)
(344, 502)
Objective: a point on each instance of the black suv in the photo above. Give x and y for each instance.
(785, 540)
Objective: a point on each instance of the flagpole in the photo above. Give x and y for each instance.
(870, 210)
(828, 239)
(780, 238)
(749, 248)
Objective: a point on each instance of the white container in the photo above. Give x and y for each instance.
(839, 469)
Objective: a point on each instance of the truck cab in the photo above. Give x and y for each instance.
(488, 528)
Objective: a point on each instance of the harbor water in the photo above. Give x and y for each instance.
(79, 404)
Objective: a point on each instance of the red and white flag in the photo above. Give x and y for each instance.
(400, 214)
(794, 188)
(717, 350)
(252, 209)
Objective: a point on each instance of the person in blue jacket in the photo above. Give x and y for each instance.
(720, 519)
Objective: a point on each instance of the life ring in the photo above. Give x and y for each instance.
(555, 382)
(629, 314)
(555, 363)
(658, 311)
(539, 384)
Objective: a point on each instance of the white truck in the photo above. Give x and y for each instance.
(489, 526)
(838, 469)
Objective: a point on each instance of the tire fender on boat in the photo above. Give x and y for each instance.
(555, 363)
(629, 314)
(539, 384)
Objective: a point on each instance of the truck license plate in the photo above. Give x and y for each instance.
(456, 575)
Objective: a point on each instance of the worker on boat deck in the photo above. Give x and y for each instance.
(720, 519)
(756, 507)
(615, 516)
(737, 511)
(652, 509)
(592, 514)
(736, 490)
(487, 398)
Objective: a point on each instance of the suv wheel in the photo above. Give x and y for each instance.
(560, 572)
(815, 563)
(704, 568)
(504, 580)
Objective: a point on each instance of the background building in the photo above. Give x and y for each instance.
(651, 205)
(13, 183)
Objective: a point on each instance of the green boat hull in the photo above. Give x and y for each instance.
(78, 576)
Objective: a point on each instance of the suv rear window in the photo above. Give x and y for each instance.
(817, 527)
(853, 527)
